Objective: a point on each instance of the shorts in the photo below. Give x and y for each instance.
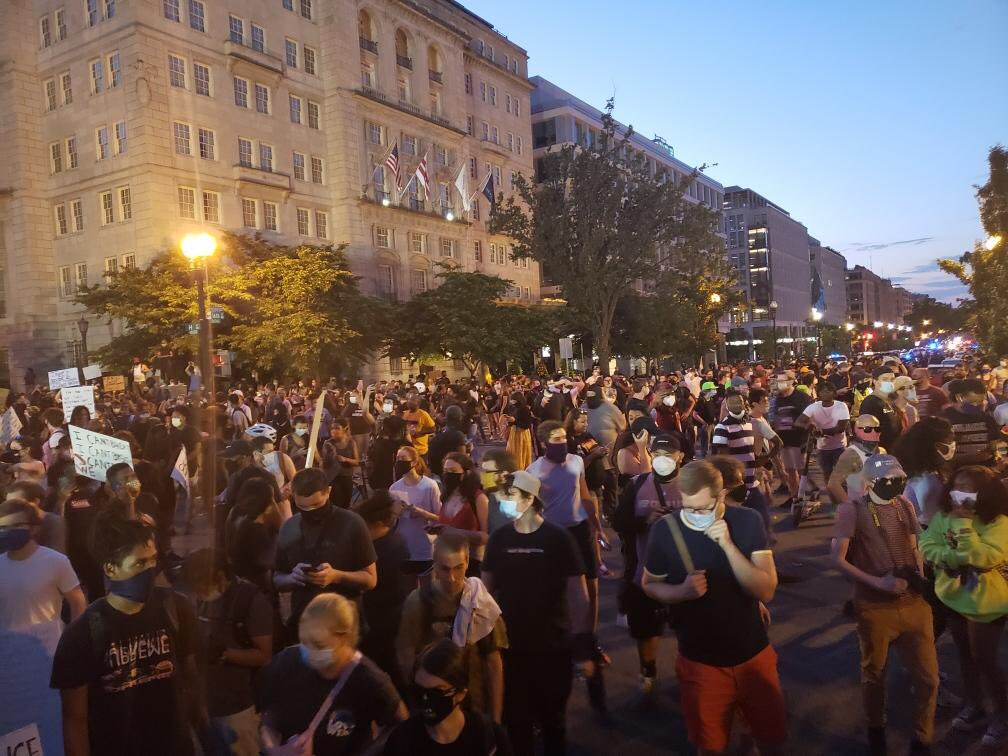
(645, 616)
(710, 696)
(583, 538)
(793, 457)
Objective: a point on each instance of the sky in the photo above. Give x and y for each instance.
(869, 122)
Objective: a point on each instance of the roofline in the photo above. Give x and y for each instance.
(484, 22)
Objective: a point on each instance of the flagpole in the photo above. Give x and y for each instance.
(377, 166)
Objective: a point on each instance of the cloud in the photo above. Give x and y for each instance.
(875, 246)
(928, 267)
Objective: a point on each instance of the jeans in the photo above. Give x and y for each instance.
(977, 644)
(238, 732)
(537, 684)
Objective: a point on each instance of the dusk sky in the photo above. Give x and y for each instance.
(869, 122)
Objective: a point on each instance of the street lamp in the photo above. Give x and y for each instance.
(992, 242)
(82, 326)
(773, 327)
(816, 317)
(877, 324)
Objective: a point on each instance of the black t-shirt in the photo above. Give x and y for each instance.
(290, 693)
(251, 550)
(79, 514)
(787, 410)
(383, 604)
(723, 627)
(342, 540)
(358, 423)
(448, 440)
(530, 572)
(133, 674)
(974, 432)
(888, 419)
(479, 737)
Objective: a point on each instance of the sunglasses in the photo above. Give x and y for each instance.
(869, 429)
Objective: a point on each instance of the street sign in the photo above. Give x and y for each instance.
(193, 328)
(216, 315)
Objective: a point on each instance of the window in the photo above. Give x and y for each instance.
(241, 92)
(472, 167)
(468, 84)
(440, 154)
(101, 142)
(97, 77)
(518, 145)
(105, 208)
(528, 293)
(418, 242)
(61, 219)
(236, 29)
(110, 8)
(404, 89)
(510, 142)
(183, 144)
(46, 35)
(91, 12)
(207, 149)
(111, 266)
(249, 213)
(368, 74)
(201, 79)
(525, 262)
(486, 131)
(295, 108)
(55, 157)
(270, 216)
(197, 15)
(176, 71)
(288, 5)
(306, 9)
(77, 214)
(66, 281)
(514, 260)
(418, 281)
(265, 157)
(488, 51)
(120, 138)
(291, 49)
(61, 27)
(470, 129)
(211, 207)
(383, 238)
(80, 269)
(316, 170)
(493, 96)
(258, 38)
(299, 166)
(313, 115)
(496, 135)
(409, 145)
(302, 221)
(125, 204)
(71, 149)
(262, 99)
(507, 103)
(309, 60)
(386, 285)
(375, 133)
(114, 70)
(483, 91)
(477, 251)
(447, 248)
(67, 88)
(245, 152)
(321, 225)
(171, 10)
(187, 202)
(395, 363)
(517, 106)
(50, 93)
(128, 261)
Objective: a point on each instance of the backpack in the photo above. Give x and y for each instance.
(624, 520)
(241, 609)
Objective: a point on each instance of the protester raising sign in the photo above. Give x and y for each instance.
(91, 372)
(77, 396)
(113, 383)
(62, 378)
(94, 453)
(10, 427)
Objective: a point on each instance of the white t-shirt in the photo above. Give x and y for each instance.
(827, 417)
(426, 495)
(31, 594)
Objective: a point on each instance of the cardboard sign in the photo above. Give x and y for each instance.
(62, 378)
(10, 427)
(113, 383)
(91, 372)
(77, 396)
(23, 742)
(94, 453)
(316, 424)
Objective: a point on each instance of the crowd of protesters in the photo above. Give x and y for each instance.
(413, 566)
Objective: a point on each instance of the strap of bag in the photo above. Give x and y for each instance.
(309, 734)
(680, 542)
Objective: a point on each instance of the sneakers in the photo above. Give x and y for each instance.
(997, 733)
(969, 718)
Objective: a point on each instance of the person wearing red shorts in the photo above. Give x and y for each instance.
(711, 563)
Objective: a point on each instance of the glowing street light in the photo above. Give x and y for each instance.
(849, 326)
(877, 324)
(449, 216)
(925, 322)
(992, 242)
(197, 246)
(715, 298)
(386, 202)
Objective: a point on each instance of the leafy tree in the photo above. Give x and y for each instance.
(985, 268)
(287, 309)
(465, 319)
(939, 315)
(599, 222)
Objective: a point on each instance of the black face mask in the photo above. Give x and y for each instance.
(314, 516)
(401, 467)
(593, 401)
(434, 704)
(889, 488)
(452, 480)
(738, 493)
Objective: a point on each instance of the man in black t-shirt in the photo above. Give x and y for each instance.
(787, 406)
(126, 668)
(450, 439)
(878, 405)
(974, 427)
(713, 565)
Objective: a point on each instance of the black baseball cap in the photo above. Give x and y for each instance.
(237, 448)
(666, 443)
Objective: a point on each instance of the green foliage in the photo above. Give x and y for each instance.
(599, 222)
(464, 318)
(985, 271)
(290, 310)
(940, 315)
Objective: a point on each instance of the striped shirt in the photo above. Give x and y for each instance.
(737, 436)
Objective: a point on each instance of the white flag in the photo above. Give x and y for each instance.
(462, 185)
(180, 472)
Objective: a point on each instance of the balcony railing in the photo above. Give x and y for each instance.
(369, 44)
(415, 204)
(436, 76)
(382, 197)
(246, 53)
(407, 107)
(404, 61)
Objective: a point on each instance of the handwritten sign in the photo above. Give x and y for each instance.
(94, 453)
(23, 742)
(10, 427)
(77, 396)
(113, 383)
(62, 378)
(91, 372)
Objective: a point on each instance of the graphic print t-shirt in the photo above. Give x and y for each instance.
(131, 673)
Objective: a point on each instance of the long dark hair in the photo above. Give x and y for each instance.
(916, 449)
(992, 494)
(470, 486)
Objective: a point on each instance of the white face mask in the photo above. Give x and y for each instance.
(949, 452)
(737, 415)
(387, 407)
(698, 520)
(663, 465)
(353, 400)
(177, 422)
(965, 499)
(301, 431)
(911, 395)
(886, 387)
(317, 658)
(509, 508)
(669, 401)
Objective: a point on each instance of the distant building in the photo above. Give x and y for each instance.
(829, 285)
(871, 298)
(904, 303)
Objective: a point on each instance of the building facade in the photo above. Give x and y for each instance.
(829, 286)
(871, 298)
(129, 125)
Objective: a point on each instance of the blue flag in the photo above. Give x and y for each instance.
(488, 191)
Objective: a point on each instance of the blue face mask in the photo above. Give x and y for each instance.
(12, 539)
(508, 508)
(137, 588)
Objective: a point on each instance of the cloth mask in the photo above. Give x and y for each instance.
(434, 704)
(949, 453)
(886, 490)
(317, 658)
(698, 520)
(314, 516)
(401, 467)
(13, 539)
(556, 452)
(137, 588)
(452, 480)
(738, 493)
(965, 499)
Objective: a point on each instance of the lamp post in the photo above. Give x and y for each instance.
(816, 317)
(82, 326)
(773, 328)
(849, 327)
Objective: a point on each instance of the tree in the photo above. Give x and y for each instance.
(985, 269)
(287, 309)
(464, 318)
(939, 315)
(597, 222)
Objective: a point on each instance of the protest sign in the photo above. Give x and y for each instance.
(10, 427)
(94, 453)
(112, 383)
(316, 424)
(62, 378)
(23, 742)
(77, 396)
(91, 372)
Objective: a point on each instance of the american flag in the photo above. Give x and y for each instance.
(392, 162)
(421, 174)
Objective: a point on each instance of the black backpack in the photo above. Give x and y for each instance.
(624, 519)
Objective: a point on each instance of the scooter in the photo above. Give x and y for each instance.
(806, 504)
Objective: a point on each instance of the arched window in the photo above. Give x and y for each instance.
(366, 30)
(434, 65)
(402, 50)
